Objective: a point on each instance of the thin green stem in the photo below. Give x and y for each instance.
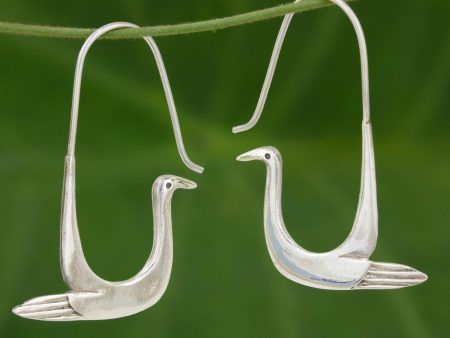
(164, 30)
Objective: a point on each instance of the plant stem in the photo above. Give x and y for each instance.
(164, 30)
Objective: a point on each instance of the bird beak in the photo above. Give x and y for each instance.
(248, 156)
(184, 183)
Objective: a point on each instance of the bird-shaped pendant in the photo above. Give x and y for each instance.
(92, 298)
(347, 267)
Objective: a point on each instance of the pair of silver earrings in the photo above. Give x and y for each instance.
(345, 268)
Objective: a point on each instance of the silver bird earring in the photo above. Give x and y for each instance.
(347, 267)
(90, 297)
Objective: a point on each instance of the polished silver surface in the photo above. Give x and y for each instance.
(346, 267)
(91, 297)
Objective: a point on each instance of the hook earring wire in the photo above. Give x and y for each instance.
(164, 78)
(276, 53)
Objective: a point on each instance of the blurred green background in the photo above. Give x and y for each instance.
(223, 283)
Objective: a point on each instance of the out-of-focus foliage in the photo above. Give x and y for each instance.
(223, 283)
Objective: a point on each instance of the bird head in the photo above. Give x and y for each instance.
(167, 184)
(265, 154)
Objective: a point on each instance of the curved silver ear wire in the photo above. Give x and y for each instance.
(165, 81)
(91, 297)
(347, 267)
(276, 53)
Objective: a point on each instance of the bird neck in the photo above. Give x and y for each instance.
(277, 235)
(272, 203)
(162, 229)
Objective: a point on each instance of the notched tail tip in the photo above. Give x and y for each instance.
(49, 308)
(391, 276)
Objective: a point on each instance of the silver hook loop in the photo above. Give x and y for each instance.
(276, 53)
(165, 81)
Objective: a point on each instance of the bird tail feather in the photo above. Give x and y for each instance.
(50, 308)
(390, 276)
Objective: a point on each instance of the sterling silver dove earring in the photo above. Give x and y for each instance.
(347, 267)
(90, 297)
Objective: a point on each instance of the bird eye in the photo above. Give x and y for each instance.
(267, 156)
(168, 185)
